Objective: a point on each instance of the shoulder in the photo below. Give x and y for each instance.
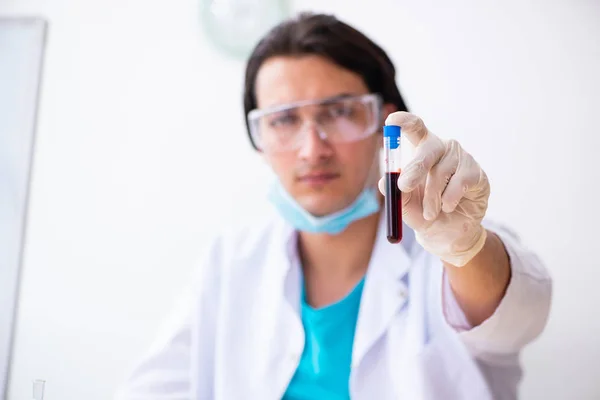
(253, 235)
(241, 243)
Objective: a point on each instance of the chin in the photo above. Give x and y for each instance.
(322, 205)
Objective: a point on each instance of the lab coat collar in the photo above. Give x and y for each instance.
(385, 290)
(289, 244)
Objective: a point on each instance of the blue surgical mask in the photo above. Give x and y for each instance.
(365, 204)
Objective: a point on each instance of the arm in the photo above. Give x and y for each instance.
(480, 284)
(163, 371)
(514, 319)
(168, 371)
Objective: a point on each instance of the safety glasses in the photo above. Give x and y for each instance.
(339, 119)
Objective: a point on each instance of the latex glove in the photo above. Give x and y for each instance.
(444, 193)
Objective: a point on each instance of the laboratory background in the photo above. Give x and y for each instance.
(139, 154)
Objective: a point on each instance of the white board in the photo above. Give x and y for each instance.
(22, 42)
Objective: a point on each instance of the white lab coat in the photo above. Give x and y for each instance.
(237, 334)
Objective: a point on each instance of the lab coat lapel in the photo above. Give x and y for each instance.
(384, 292)
(280, 337)
(286, 353)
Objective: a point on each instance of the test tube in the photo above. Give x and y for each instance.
(38, 389)
(393, 196)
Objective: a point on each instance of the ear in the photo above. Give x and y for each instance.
(386, 110)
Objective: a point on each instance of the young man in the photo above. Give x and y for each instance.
(314, 302)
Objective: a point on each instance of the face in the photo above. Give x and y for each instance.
(321, 176)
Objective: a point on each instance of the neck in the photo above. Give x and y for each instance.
(333, 264)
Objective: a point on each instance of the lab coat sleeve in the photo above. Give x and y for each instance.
(522, 313)
(165, 372)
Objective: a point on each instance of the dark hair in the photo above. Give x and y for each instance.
(324, 35)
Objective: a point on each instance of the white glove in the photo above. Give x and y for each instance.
(444, 193)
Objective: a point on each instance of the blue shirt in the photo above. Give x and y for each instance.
(324, 369)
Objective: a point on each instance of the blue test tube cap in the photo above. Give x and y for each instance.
(392, 132)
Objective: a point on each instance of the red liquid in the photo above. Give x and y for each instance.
(393, 207)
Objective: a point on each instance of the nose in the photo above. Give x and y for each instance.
(314, 145)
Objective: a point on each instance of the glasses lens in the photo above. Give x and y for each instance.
(279, 130)
(346, 121)
(343, 120)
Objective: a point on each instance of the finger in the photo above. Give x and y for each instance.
(411, 126)
(409, 206)
(437, 180)
(412, 208)
(426, 155)
(381, 185)
(467, 176)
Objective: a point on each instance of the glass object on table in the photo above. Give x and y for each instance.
(38, 389)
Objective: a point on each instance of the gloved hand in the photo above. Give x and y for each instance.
(444, 193)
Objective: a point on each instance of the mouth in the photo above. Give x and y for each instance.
(318, 178)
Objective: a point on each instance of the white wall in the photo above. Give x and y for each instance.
(22, 48)
(126, 183)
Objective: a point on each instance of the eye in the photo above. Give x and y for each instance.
(282, 120)
(340, 110)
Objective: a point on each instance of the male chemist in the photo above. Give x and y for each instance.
(313, 302)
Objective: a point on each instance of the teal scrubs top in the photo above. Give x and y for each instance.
(324, 369)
